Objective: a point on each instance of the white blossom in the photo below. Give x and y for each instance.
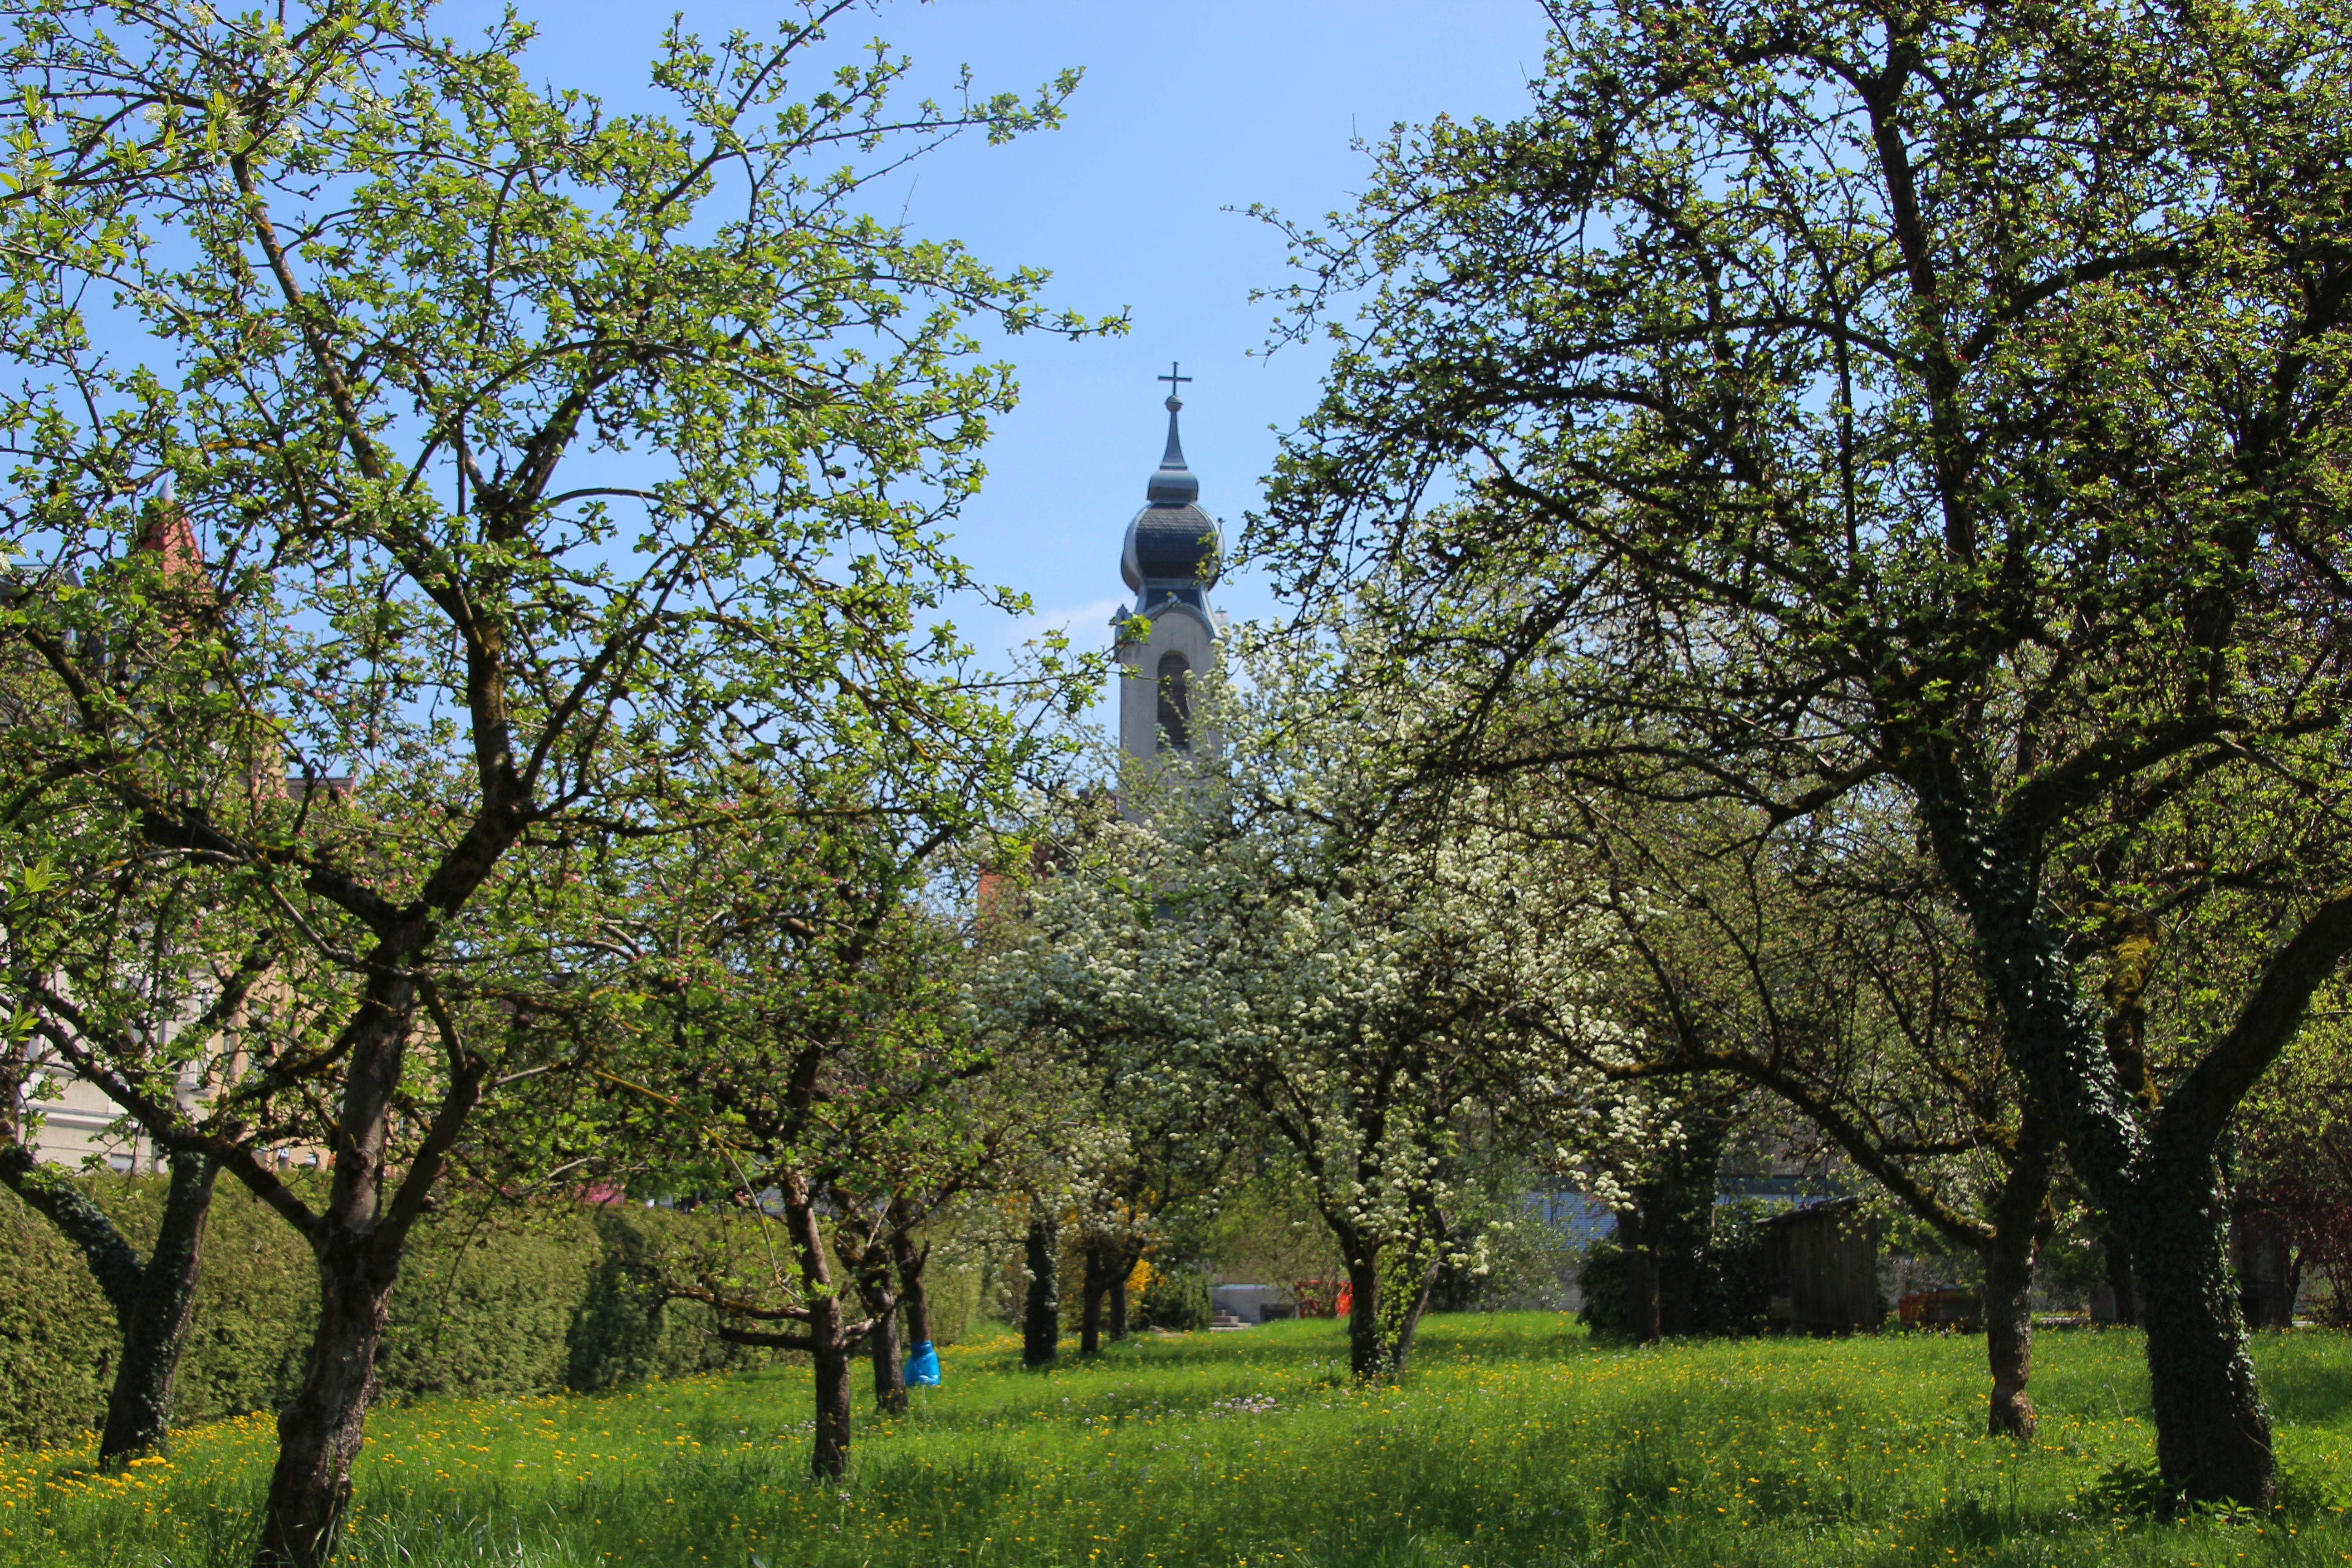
(1288, 920)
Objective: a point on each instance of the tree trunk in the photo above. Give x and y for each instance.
(831, 1339)
(2121, 1282)
(1677, 1211)
(1090, 1313)
(829, 1457)
(871, 1262)
(2008, 1334)
(1118, 1299)
(139, 1409)
(872, 1259)
(2161, 1181)
(912, 1296)
(2213, 1434)
(320, 1431)
(1090, 1307)
(890, 1369)
(1640, 1276)
(2008, 1255)
(1409, 1325)
(153, 1301)
(1040, 1318)
(358, 1242)
(1376, 1350)
(1366, 1356)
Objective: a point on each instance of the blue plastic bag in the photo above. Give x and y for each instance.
(923, 1367)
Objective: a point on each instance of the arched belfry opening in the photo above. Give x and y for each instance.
(1175, 703)
(1171, 561)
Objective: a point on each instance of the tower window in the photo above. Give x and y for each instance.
(1175, 703)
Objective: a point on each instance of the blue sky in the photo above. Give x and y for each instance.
(1186, 109)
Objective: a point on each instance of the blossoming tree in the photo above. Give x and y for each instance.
(1282, 920)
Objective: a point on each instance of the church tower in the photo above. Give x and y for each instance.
(1170, 562)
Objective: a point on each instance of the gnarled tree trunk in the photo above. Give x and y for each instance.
(357, 1241)
(138, 1408)
(2156, 1171)
(2122, 1282)
(2212, 1433)
(2008, 1334)
(1118, 1301)
(1095, 1285)
(1041, 1315)
(320, 1430)
(871, 1258)
(831, 1339)
(1376, 1348)
(2009, 1254)
(829, 1454)
(153, 1302)
(882, 1343)
(1641, 1275)
(1366, 1356)
(910, 1260)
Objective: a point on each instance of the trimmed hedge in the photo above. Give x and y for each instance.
(527, 1302)
(56, 1331)
(1734, 1276)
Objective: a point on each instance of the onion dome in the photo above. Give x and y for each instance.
(1171, 543)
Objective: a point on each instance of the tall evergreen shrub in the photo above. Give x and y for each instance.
(520, 1302)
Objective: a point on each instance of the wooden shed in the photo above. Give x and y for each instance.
(1823, 1261)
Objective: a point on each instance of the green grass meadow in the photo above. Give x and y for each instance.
(1514, 1440)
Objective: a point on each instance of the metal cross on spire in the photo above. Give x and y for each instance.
(1172, 459)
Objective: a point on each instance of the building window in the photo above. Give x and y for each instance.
(1175, 703)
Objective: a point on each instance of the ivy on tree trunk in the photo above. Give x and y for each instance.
(153, 1302)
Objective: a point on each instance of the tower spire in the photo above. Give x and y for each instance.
(1174, 458)
(1171, 555)
(1170, 562)
(1174, 484)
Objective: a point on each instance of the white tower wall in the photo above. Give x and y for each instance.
(1175, 628)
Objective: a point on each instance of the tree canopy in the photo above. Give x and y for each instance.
(1937, 406)
(527, 451)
